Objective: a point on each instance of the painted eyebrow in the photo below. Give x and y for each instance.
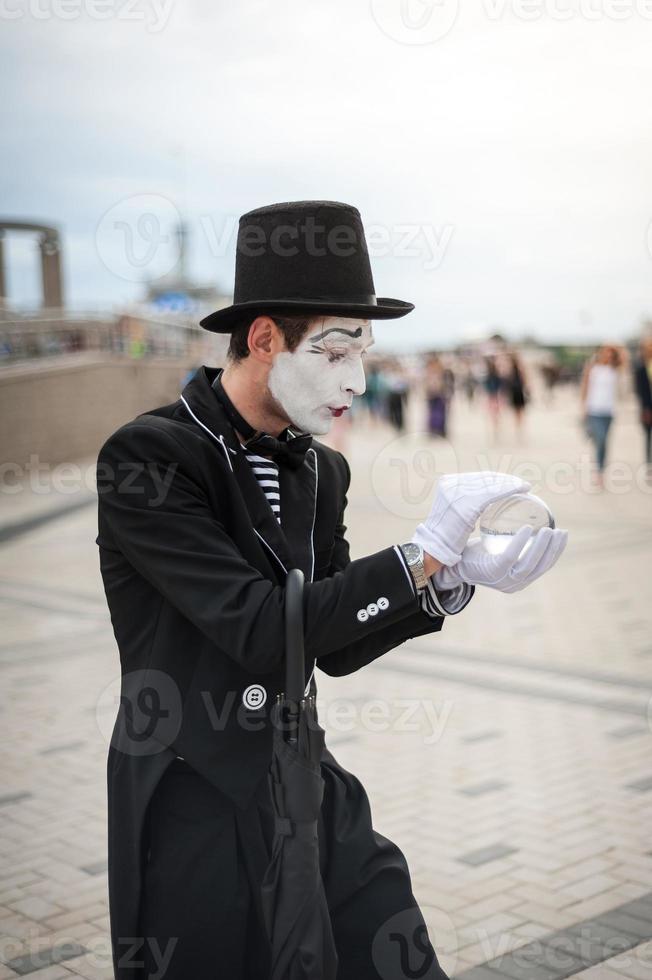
(324, 333)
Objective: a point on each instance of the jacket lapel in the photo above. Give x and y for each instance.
(299, 511)
(292, 543)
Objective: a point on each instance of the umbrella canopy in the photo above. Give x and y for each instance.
(294, 904)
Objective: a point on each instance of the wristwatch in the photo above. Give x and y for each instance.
(413, 554)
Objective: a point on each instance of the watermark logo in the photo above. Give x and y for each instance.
(136, 239)
(402, 948)
(415, 21)
(149, 712)
(405, 472)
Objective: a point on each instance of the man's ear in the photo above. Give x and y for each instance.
(265, 339)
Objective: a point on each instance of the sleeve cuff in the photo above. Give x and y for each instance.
(407, 571)
(445, 602)
(437, 602)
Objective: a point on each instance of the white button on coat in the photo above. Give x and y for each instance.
(380, 605)
(254, 696)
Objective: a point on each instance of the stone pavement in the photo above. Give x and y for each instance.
(509, 755)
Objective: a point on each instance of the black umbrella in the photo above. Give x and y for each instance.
(294, 904)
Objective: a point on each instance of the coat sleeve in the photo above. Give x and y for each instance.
(385, 635)
(153, 508)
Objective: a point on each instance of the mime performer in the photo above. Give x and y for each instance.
(204, 504)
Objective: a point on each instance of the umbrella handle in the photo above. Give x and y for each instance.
(295, 682)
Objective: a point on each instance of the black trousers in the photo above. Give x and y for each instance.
(200, 913)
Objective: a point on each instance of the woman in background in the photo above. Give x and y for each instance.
(643, 385)
(435, 389)
(598, 395)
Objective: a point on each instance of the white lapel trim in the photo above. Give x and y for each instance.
(314, 516)
(219, 438)
(269, 547)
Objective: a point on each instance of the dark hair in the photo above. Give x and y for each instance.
(615, 355)
(292, 327)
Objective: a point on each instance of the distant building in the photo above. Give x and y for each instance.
(177, 292)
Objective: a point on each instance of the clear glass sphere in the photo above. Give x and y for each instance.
(500, 521)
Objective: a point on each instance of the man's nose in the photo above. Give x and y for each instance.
(355, 383)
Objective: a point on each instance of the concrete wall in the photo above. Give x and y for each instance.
(63, 408)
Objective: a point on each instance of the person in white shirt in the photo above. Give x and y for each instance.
(598, 394)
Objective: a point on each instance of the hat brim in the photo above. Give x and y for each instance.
(223, 321)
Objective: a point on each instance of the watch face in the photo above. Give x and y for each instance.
(412, 553)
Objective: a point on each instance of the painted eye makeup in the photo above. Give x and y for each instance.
(332, 354)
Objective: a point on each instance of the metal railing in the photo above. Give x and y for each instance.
(134, 334)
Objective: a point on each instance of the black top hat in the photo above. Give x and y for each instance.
(303, 257)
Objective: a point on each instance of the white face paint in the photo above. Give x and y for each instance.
(321, 376)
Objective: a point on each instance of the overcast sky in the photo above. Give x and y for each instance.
(500, 151)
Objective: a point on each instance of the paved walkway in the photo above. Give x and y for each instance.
(509, 756)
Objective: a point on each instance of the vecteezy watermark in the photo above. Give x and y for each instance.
(410, 241)
(514, 953)
(377, 715)
(137, 239)
(415, 21)
(405, 472)
(138, 478)
(153, 13)
(565, 10)
(132, 950)
(142, 713)
(45, 478)
(33, 952)
(413, 240)
(418, 22)
(404, 946)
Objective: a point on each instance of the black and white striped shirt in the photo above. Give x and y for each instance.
(266, 472)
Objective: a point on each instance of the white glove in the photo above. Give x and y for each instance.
(506, 571)
(459, 501)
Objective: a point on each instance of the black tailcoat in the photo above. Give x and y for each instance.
(193, 563)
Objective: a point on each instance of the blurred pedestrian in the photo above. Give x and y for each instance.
(516, 389)
(550, 372)
(598, 395)
(397, 392)
(493, 386)
(469, 382)
(643, 387)
(435, 383)
(372, 396)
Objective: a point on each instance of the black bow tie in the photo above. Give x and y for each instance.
(288, 449)
(290, 453)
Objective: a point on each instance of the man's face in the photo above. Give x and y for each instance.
(316, 382)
